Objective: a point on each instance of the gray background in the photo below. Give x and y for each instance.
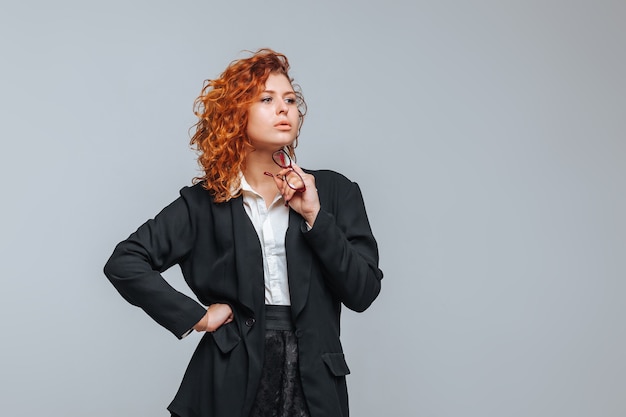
(488, 139)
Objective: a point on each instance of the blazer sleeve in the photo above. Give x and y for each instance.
(136, 265)
(345, 246)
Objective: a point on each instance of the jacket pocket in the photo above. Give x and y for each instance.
(336, 363)
(226, 337)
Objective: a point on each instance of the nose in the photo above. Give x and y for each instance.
(282, 107)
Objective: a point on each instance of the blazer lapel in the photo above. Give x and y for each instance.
(248, 258)
(299, 261)
(249, 261)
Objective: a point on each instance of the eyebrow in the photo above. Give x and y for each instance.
(274, 92)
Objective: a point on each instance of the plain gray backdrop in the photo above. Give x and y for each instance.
(488, 138)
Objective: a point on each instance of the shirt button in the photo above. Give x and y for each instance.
(250, 321)
(298, 333)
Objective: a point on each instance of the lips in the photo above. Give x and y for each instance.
(283, 125)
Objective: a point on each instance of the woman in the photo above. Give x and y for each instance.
(271, 250)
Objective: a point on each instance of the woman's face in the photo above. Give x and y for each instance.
(273, 118)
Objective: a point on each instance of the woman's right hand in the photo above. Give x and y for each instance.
(216, 316)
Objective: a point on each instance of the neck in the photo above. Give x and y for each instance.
(257, 162)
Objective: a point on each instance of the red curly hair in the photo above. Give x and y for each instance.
(220, 139)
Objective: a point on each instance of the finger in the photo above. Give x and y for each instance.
(279, 183)
(283, 171)
(297, 168)
(288, 195)
(303, 174)
(283, 189)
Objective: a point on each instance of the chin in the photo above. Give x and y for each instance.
(270, 147)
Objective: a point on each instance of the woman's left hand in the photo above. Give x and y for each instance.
(307, 202)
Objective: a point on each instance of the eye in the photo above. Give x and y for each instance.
(290, 100)
(266, 99)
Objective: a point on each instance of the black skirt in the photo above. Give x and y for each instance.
(280, 390)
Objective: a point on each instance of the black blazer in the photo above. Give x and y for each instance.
(219, 253)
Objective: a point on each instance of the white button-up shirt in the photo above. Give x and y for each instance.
(271, 227)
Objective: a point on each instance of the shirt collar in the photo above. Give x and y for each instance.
(243, 185)
(246, 188)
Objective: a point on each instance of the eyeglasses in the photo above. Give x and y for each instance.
(293, 179)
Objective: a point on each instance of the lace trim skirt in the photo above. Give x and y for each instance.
(280, 391)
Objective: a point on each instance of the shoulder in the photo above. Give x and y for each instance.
(196, 196)
(327, 177)
(334, 188)
(194, 191)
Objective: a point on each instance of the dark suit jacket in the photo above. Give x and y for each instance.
(216, 246)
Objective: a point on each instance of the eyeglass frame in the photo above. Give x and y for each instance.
(282, 154)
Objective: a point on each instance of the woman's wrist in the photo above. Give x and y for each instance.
(309, 218)
(203, 324)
